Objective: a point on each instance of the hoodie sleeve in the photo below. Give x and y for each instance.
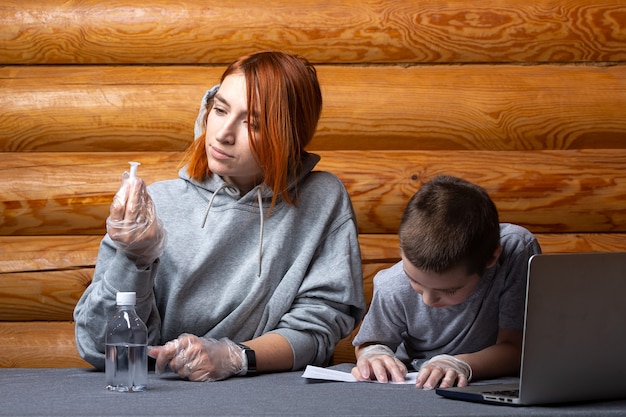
(114, 272)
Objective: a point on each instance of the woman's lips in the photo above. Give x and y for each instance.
(219, 154)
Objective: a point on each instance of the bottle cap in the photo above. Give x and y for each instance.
(133, 169)
(125, 298)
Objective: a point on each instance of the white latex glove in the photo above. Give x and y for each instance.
(378, 362)
(133, 224)
(200, 359)
(443, 371)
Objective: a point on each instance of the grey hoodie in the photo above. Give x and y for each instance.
(242, 274)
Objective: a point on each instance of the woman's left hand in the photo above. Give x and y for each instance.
(199, 359)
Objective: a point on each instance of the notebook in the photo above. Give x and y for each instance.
(574, 343)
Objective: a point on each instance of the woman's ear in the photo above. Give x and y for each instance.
(494, 257)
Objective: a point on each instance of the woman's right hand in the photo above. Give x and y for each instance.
(133, 223)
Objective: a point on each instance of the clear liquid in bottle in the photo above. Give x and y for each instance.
(126, 351)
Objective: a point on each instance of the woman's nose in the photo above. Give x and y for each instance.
(225, 134)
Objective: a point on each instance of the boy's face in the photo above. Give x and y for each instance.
(441, 290)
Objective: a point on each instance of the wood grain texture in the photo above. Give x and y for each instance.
(578, 191)
(74, 252)
(51, 344)
(383, 248)
(30, 292)
(39, 345)
(344, 31)
(468, 107)
(42, 296)
(47, 253)
(526, 99)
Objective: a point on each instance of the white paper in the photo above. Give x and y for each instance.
(316, 372)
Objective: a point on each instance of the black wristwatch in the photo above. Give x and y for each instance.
(250, 358)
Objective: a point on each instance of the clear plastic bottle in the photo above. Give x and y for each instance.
(126, 347)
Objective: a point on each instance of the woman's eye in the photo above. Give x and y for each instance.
(219, 111)
(450, 292)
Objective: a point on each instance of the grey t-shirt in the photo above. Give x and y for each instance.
(398, 317)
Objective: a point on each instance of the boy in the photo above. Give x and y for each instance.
(453, 307)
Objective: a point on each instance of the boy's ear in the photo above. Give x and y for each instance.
(494, 257)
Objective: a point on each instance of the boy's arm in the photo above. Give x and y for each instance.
(501, 359)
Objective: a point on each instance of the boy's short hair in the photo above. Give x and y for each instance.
(447, 223)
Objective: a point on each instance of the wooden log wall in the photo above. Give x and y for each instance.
(527, 99)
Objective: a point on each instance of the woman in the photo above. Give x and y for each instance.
(260, 249)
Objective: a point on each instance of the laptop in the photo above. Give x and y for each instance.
(574, 343)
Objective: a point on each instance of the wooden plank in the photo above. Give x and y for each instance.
(47, 253)
(51, 344)
(468, 107)
(578, 191)
(66, 252)
(47, 296)
(74, 190)
(342, 31)
(383, 248)
(39, 345)
(52, 291)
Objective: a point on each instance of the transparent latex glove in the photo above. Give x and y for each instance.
(443, 371)
(133, 224)
(200, 359)
(378, 362)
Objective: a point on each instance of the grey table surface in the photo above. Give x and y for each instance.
(81, 392)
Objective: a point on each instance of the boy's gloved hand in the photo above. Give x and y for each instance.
(378, 362)
(200, 359)
(443, 370)
(133, 224)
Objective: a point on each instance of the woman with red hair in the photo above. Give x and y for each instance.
(249, 261)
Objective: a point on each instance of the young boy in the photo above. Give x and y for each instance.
(453, 307)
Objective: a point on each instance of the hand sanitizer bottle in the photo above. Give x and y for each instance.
(126, 350)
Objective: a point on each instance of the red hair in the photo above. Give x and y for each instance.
(284, 93)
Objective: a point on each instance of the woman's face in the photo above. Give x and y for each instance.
(226, 142)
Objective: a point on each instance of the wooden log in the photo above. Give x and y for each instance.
(36, 290)
(48, 296)
(47, 253)
(39, 345)
(70, 252)
(51, 344)
(344, 31)
(469, 107)
(383, 248)
(578, 191)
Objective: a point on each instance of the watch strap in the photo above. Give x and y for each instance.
(250, 358)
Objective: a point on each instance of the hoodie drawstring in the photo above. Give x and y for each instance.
(220, 188)
(261, 216)
(231, 191)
